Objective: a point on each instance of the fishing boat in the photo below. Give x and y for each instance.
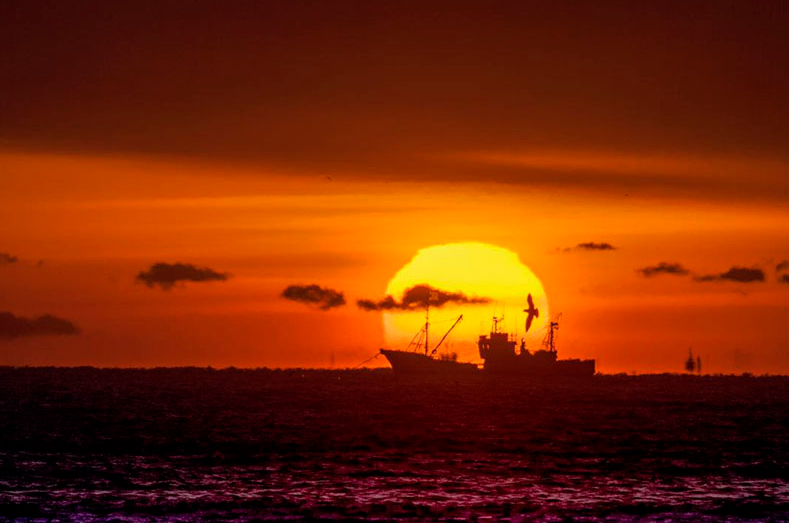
(418, 359)
(498, 350)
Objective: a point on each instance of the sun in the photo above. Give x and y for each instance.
(475, 269)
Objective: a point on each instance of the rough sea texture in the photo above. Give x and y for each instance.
(205, 445)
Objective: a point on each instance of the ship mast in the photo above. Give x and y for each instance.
(432, 295)
(427, 324)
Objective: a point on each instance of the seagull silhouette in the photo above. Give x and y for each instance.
(531, 311)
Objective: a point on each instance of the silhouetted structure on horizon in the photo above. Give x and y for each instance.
(690, 363)
(693, 365)
(497, 350)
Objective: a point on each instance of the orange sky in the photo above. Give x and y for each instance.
(288, 144)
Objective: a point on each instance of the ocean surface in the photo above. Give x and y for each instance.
(257, 445)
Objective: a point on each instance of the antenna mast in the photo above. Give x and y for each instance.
(550, 338)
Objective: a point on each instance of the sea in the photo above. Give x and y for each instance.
(199, 444)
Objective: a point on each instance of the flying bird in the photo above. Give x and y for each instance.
(531, 311)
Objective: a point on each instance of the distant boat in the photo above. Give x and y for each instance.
(693, 365)
(690, 363)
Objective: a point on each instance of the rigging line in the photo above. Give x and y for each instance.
(418, 334)
(368, 359)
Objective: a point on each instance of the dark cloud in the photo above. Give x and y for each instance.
(663, 268)
(418, 297)
(321, 297)
(782, 266)
(12, 326)
(7, 259)
(783, 278)
(591, 246)
(166, 275)
(738, 274)
(367, 72)
(385, 304)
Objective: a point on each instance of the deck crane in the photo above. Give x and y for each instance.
(447, 334)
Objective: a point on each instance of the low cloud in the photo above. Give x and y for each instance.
(783, 278)
(738, 274)
(7, 259)
(419, 296)
(782, 266)
(12, 326)
(166, 275)
(386, 304)
(591, 246)
(663, 268)
(315, 295)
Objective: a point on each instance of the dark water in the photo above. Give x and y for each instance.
(202, 445)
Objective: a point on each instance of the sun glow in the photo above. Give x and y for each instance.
(477, 270)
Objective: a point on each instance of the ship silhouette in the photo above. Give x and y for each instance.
(415, 361)
(497, 350)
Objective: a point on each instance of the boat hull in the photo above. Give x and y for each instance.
(517, 367)
(413, 363)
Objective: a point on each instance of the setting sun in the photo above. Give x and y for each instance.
(476, 270)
